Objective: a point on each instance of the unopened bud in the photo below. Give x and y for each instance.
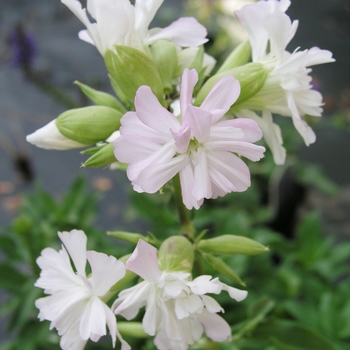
(89, 125)
(231, 244)
(127, 236)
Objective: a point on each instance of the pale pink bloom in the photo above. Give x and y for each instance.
(200, 146)
(118, 22)
(75, 306)
(178, 310)
(287, 90)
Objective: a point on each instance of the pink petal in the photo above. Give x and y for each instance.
(252, 132)
(106, 272)
(75, 243)
(151, 178)
(188, 81)
(222, 96)
(186, 31)
(231, 167)
(215, 327)
(144, 262)
(152, 113)
(182, 137)
(200, 122)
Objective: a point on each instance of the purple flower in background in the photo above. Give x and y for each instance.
(23, 47)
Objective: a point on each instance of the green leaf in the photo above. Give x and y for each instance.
(290, 335)
(11, 279)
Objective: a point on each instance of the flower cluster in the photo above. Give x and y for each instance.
(172, 119)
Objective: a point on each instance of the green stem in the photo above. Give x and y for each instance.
(186, 227)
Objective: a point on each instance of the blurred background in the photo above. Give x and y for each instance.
(41, 56)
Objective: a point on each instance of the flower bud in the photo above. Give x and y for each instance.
(165, 58)
(131, 68)
(238, 57)
(89, 125)
(49, 137)
(100, 98)
(231, 244)
(127, 236)
(223, 268)
(102, 157)
(251, 77)
(176, 254)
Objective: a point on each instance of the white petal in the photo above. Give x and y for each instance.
(93, 320)
(150, 321)
(187, 184)
(184, 307)
(202, 185)
(186, 31)
(75, 243)
(211, 304)
(49, 137)
(106, 271)
(235, 293)
(203, 285)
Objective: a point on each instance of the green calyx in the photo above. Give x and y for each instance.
(176, 254)
(89, 125)
(130, 68)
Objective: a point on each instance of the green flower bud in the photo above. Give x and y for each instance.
(132, 329)
(101, 98)
(251, 77)
(131, 68)
(127, 236)
(165, 58)
(238, 57)
(231, 244)
(176, 254)
(89, 125)
(104, 156)
(223, 268)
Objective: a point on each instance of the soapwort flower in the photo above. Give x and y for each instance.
(199, 146)
(119, 22)
(288, 89)
(75, 306)
(178, 310)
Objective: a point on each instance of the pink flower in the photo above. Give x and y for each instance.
(197, 145)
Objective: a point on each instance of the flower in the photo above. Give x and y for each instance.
(76, 306)
(119, 22)
(199, 147)
(287, 90)
(178, 310)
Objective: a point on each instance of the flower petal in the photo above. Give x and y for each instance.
(215, 327)
(106, 271)
(188, 81)
(144, 262)
(186, 31)
(75, 243)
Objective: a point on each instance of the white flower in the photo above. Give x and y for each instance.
(178, 310)
(287, 90)
(75, 306)
(119, 22)
(49, 137)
